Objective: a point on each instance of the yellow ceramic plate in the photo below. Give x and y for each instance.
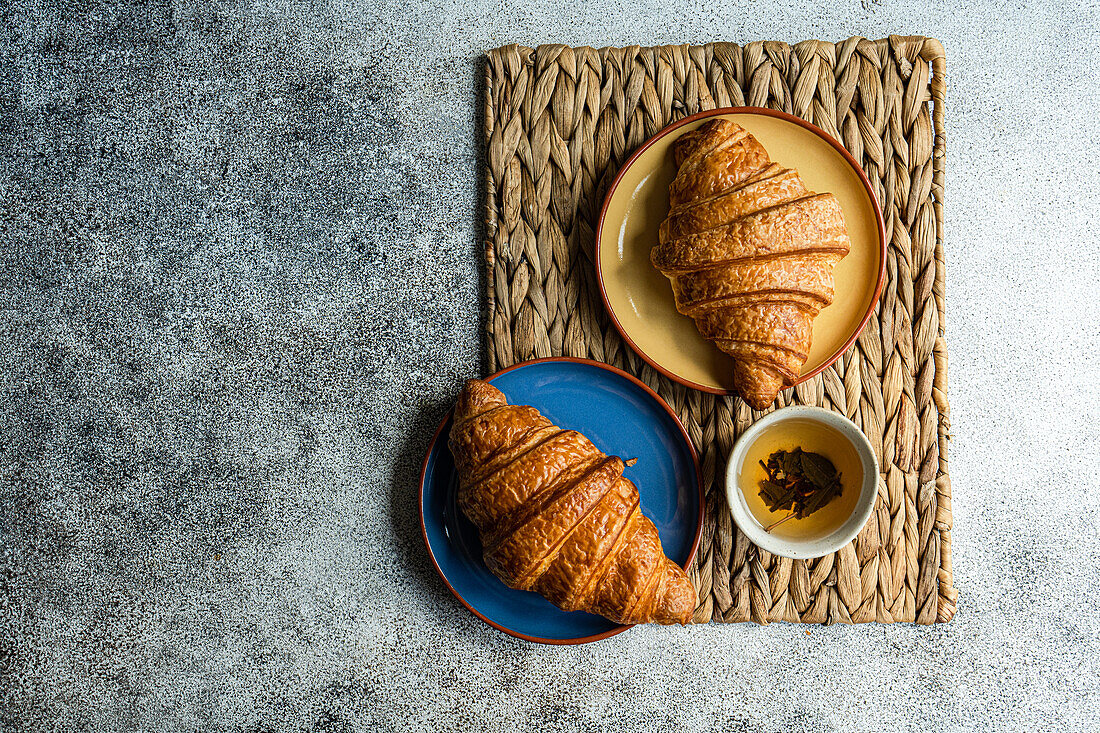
(639, 298)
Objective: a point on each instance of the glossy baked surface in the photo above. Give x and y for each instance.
(749, 251)
(620, 417)
(556, 516)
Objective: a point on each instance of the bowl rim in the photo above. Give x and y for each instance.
(698, 485)
(862, 511)
(875, 205)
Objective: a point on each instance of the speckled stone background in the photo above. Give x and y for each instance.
(240, 286)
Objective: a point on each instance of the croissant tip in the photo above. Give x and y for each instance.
(759, 402)
(479, 385)
(477, 396)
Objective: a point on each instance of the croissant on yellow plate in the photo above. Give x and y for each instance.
(556, 516)
(750, 252)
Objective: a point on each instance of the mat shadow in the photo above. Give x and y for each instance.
(479, 67)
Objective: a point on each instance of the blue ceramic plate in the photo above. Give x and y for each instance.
(622, 417)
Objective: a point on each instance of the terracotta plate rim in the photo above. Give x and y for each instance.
(879, 222)
(698, 481)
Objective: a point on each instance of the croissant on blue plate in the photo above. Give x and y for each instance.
(556, 516)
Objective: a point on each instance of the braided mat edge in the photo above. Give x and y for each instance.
(560, 121)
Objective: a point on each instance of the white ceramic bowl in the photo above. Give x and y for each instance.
(799, 548)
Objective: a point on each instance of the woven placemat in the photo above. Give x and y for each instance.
(560, 121)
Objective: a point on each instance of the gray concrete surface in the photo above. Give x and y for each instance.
(240, 287)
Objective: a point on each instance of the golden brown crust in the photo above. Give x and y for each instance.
(802, 278)
(750, 252)
(716, 159)
(809, 224)
(557, 517)
(772, 186)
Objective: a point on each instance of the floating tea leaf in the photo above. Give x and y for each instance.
(791, 461)
(799, 481)
(818, 469)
